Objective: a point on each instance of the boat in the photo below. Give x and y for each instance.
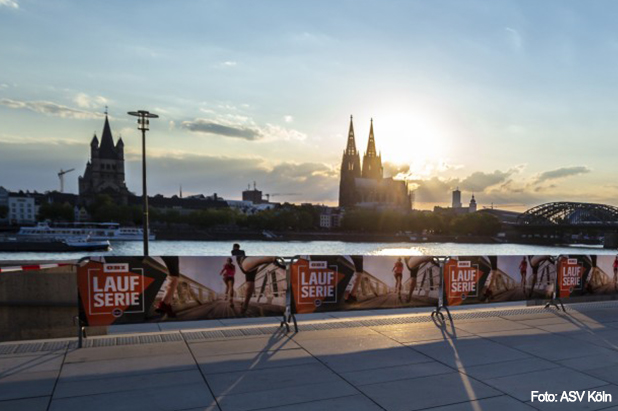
(74, 244)
(95, 231)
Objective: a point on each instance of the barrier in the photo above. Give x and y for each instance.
(124, 290)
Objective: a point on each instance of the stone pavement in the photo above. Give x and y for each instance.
(481, 361)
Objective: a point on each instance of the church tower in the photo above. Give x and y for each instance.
(372, 162)
(350, 171)
(105, 171)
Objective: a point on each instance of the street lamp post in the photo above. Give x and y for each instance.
(142, 124)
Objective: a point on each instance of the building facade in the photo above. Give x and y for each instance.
(22, 209)
(104, 172)
(366, 186)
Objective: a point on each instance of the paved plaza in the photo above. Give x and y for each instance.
(483, 360)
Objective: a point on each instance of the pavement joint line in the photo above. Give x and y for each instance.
(304, 402)
(8, 348)
(214, 397)
(51, 395)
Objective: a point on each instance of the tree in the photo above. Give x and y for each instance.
(56, 212)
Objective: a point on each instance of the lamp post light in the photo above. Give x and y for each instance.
(142, 124)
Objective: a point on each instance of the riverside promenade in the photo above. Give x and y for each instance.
(486, 359)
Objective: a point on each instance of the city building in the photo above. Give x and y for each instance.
(456, 198)
(457, 206)
(4, 205)
(330, 217)
(254, 196)
(22, 208)
(104, 172)
(366, 186)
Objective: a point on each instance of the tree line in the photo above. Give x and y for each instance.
(285, 217)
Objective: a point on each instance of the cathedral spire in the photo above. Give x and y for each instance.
(351, 148)
(371, 144)
(107, 141)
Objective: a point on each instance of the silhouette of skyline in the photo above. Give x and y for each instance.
(511, 101)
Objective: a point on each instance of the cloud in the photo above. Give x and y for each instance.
(242, 127)
(211, 127)
(50, 108)
(83, 100)
(562, 172)
(229, 64)
(9, 3)
(479, 181)
(514, 37)
(288, 119)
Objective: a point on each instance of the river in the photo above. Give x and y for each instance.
(291, 248)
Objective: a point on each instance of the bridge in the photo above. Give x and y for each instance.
(568, 214)
(570, 222)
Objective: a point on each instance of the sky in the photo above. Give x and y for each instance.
(512, 101)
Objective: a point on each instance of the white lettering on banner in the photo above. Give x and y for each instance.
(115, 268)
(464, 279)
(317, 283)
(571, 277)
(111, 289)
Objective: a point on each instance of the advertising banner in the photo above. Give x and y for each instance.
(485, 279)
(579, 275)
(602, 280)
(336, 283)
(121, 290)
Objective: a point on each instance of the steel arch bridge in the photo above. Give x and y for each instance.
(568, 214)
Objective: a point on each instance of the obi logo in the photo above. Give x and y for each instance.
(571, 275)
(463, 279)
(114, 289)
(317, 283)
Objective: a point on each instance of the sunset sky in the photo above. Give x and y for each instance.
(514, 101)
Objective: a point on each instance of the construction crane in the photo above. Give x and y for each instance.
(280, 194)
(61, 177)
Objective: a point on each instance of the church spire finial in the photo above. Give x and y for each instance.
(351, 148)
(105, 111)
(371, 144)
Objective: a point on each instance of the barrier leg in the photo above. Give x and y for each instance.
(81, 331)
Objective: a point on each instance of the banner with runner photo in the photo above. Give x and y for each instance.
(604, 275)
(122, 290)
(486, 279)
(575, 273)
(340, 283)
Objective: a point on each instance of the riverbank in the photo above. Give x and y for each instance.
(350, 237)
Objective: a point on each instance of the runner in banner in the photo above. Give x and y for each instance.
(228, 271)
(414, 264)
(398, 271)
(250, 267)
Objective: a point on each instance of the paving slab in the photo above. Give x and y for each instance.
(423, 333)
(491, 326)
(25, 385)
(267, 379)
(395, 373)
(421, 393)
(289, 396)
(179, 397)
(502, 403)
(126, 351)
(254, 361)
(71, 387)
(590, 362)
(334, 333)
(127, 366)
(371, 359)
(133, 328)
(559, 347)
(33, 363)
(506, 368)
(350, 403)
(27, 404)
(555, 380)
(349, 345)
(462, 353)
(242, 345)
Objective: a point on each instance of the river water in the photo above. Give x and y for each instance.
(291, 248)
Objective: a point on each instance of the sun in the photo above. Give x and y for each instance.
(417, 139)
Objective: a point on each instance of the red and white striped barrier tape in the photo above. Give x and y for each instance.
(18, 268)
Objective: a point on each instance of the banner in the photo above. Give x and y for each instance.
(580, 275)
(121, 290)
(485, 279)
(337, 283)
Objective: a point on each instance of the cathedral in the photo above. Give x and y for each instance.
(366, 186)
(105, 171)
